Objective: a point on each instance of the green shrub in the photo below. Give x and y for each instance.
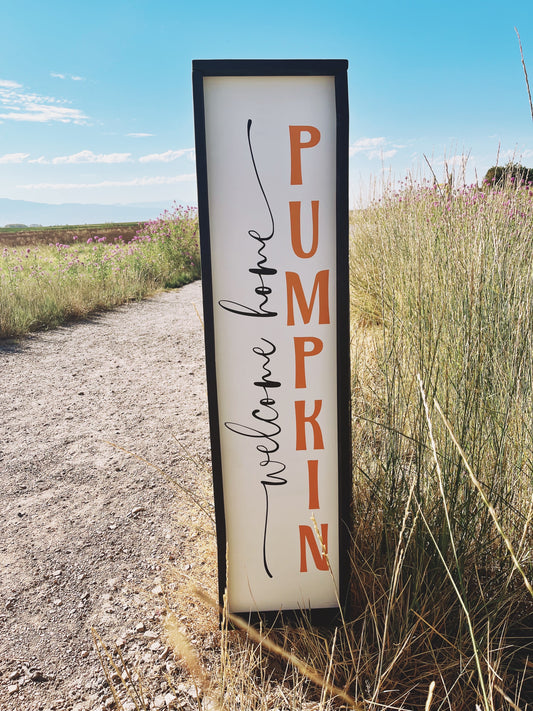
(510, 174)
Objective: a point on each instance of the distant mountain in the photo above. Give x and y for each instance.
(25, 212)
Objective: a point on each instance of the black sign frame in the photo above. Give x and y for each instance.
(262, 68)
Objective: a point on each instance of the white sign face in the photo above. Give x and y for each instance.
(271, 147)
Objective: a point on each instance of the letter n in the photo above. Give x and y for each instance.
(295, 289)
(307, 535)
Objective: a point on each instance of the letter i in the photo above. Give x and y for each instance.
(312, 468)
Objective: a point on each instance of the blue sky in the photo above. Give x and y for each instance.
(96, 99)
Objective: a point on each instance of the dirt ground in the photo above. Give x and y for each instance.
(87, 531)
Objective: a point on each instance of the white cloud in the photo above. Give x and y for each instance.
(383, 154)
(458, 161)
(135, 182)
(366, 144)
(166, 157)
(140, 135)
(87, 156)
(7, 84)
(515, 155)
(14, 158)
(43, 114)
(72, 77)
(18, 105)
(90, 157)
(374, 148)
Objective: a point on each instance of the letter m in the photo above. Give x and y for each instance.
(295, 289)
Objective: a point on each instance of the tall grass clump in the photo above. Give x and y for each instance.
(440, 614)
(442, 304)
(41, 287)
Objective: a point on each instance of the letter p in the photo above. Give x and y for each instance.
(297, 143)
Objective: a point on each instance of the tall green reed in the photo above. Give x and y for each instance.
(442, 288)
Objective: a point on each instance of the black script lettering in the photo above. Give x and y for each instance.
(267, 414)
(261, 269)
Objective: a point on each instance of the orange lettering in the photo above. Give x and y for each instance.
(312, 470)
(295, 133)
(301, 419)
(319, 556)
(300, 354)
(295, 209)
(294, 288)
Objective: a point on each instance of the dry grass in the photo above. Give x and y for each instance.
(444, 276)
(441, 611)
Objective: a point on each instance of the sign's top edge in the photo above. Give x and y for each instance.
(255, 67)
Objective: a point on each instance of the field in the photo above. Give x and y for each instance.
(44, 283)
(441, 609)
(66, 234)
(441, 606)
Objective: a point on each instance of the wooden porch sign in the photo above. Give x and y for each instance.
(272, 165)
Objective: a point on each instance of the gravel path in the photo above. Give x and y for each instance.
(85, 527)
